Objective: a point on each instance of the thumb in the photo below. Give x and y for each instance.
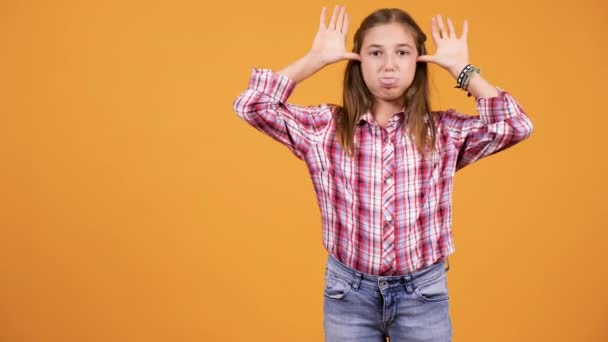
(352, 55)
(425, 58)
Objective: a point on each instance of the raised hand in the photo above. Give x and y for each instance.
(452, 52)
(329, 43)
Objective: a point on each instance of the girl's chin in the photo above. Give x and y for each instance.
(389, 94)
(390, 89)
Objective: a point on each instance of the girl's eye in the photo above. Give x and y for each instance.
(401, 52)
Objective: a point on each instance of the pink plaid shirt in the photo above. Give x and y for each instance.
(386, 211)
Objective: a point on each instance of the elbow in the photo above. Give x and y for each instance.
(250, 103)
(238, 105)
(527, 127)
(522, 127)
(244, 105)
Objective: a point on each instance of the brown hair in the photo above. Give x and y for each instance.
(357, 98)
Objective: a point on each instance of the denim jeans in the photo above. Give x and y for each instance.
(408, 308)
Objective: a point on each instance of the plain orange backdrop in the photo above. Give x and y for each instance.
(136, 205)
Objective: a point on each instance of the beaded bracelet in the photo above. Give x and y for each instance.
(468, 78)
(465, 76)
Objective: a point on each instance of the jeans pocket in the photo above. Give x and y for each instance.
(336, 287)
(434, 290)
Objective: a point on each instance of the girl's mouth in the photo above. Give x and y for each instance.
(388, 81)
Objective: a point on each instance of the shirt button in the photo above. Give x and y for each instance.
(389, 180)
(388, 217)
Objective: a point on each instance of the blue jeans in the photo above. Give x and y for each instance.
(409, 308)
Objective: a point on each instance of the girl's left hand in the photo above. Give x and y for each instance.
(452, 52)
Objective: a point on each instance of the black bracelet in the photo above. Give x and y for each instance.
(461, 76)
(465, 76)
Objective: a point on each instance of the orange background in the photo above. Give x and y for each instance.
(136, 205)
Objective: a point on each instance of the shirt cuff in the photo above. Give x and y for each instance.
(271, 83)
(497, 108)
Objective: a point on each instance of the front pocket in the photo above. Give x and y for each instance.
(433, 291)
(336, 287)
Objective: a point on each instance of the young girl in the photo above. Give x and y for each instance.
(382, 166)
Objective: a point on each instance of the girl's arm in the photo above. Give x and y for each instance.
(264, 106)
(264, 103)
(302, 68)
(478, 86)
(502, 121)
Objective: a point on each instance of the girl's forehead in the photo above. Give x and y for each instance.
(388, 35)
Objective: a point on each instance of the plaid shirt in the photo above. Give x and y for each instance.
(386, 211)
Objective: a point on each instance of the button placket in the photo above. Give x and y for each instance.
(388, 203)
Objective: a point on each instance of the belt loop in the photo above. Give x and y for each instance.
(407, 279)
(357, 280)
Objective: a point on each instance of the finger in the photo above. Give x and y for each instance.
(332, 21)
(340, 19)
(322, 20)
(345, 24)
(424, 58)
(451, 28)
(434, 30)
(352, 55)
(465, 30)
(441, 27)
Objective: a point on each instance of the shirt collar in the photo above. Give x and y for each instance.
(368, 117)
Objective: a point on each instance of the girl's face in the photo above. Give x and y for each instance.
(388, 61)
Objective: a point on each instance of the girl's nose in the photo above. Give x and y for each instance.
(389, 63)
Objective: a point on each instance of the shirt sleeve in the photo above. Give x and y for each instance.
(264, 106)
(501, 123)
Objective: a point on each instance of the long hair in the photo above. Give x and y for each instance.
(357, 99)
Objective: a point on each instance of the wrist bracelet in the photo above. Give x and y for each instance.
(465, 76)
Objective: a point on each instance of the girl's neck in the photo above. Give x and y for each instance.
(383, 111)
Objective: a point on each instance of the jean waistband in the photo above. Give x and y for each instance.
(410, 280)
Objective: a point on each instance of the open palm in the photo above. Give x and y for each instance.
(329, 43)
(452, 52)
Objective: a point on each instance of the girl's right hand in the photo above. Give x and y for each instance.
(329, 43)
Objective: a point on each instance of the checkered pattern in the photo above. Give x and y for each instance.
(386, 211)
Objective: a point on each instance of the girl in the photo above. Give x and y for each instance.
(382, 166)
